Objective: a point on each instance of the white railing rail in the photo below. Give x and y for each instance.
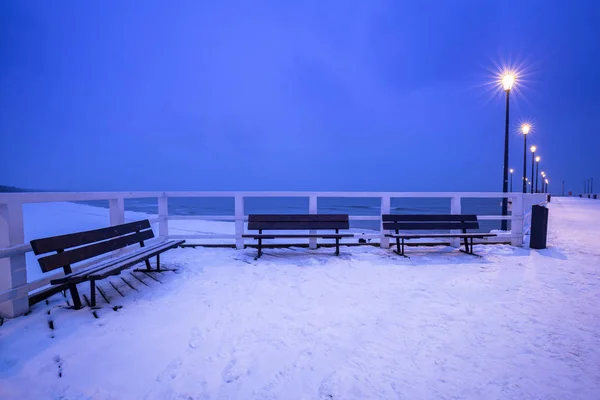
(15, 287)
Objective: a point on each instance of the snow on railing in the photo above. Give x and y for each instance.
(15, 288)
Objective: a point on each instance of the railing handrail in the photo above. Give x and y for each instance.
(55, 197)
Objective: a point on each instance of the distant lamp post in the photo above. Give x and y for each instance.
(533, 149)
(525, 128)
(511, 178)
(546, 188)
(537, 170)
(508, 80)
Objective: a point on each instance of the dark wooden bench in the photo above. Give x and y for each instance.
(298, 222)
(424, 222)
(81, 246)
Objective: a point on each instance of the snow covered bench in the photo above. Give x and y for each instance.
(298, 222)
(424, 222)
(81, 246)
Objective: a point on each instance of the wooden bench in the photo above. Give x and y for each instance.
(81, 246)
(298, 222)
(403, 222)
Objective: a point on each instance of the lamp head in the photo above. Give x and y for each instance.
(512, 170)
(525, 128)
(537, 159)
(508, 80)
(533, 149)
(546, 181)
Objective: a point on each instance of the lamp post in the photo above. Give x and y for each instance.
(511, 178)
(546, 186)
(533, 149)
(537, 170)
(508, 80)
(525, 129)
(543, 177)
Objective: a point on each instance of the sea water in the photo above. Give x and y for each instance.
(364, 206)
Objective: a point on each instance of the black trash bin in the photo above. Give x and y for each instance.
(539, 227)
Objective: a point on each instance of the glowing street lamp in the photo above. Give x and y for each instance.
(537, 170)
(507, 79)
(546, 190)
(511, 180)
(525, 128)
(533, 149)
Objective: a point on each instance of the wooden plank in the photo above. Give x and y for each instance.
(49, 263)
(136, 256)
(441, 235)
(291, 236)
(429, 225)
(117, 268)
(297, 217)
(80, 275)
(63, 242)
(299, 225)
(429, 217)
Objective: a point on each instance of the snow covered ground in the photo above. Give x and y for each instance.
(302, 324)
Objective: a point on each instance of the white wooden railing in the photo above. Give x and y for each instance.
(15, 287)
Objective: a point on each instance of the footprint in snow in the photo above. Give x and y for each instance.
(234, 370)
(196, 338)
(170, 372)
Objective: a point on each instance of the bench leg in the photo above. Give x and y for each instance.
(158, 262)
(337, 246)
(400, 248)
(148, 267)
(469, 247)
(75, 296)
(259, 248)
(93, 293)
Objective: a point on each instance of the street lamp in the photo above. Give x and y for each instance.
(511, 180)
(546, 190)
(537, 170)
(533, 149)
(525, 128)
(507, 80)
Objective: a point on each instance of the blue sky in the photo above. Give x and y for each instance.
(302, 95)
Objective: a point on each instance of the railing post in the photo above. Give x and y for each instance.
(163, 215)
(239, 221)
(13, 270)
(517, 220)
(312, 209)
(117, 211)
(456, 208)
(384, 242)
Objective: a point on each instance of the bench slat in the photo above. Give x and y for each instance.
(297, 217)
(300, 225)
(440, 235)
(117, 268)
(429, 217)
(107, 263)
(49, 263)
(429, 225)
(63, 242)
(291, 236)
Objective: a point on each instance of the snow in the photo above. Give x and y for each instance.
(304, 324)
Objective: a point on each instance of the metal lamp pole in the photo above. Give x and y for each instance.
(537, 170)
(525, 129)
(507, 83)
(511, 179)
(533, 149)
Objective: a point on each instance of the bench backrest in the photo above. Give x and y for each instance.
(408, 222)
(297, 221)
(80, 246)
